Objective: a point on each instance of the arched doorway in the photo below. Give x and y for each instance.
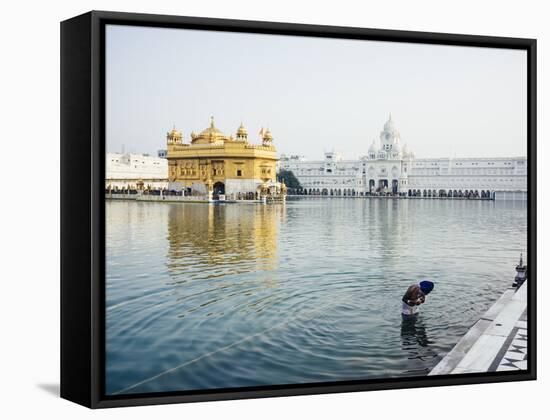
(394, 186)
(218, 188)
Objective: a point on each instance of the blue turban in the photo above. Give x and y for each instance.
(426, 286)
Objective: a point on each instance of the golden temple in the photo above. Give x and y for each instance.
(216, 164)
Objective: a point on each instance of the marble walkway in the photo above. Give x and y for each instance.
(496, 342)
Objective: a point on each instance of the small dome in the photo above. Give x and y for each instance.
(241, 131)
(373, 147)
(407, 153)
(174, 135)
(267, 135)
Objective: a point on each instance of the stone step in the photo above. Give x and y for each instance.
(454, 358)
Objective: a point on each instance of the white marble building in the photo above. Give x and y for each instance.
(125, 170)
(390, 167)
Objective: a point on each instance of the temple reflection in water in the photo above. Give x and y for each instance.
(220, 236)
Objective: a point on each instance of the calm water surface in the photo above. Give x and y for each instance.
(216, 296)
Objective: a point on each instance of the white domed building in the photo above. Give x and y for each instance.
(390, 167)
(385, 166)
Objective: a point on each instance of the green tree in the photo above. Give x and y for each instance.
(289, 179)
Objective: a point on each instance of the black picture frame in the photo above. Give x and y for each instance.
(83, 206)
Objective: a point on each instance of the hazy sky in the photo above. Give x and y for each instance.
(314, 94)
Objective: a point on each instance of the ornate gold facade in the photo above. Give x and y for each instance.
(213, 163)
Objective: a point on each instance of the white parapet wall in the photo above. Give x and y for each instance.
(235, 186)
(159, 198)
(511, 195)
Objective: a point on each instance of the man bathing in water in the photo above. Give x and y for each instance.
(415, 296)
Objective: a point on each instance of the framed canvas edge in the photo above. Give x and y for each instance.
(75, 222)
(96, 330)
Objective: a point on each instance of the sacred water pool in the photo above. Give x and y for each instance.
(216, 296)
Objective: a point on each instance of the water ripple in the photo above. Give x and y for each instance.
(205, 296)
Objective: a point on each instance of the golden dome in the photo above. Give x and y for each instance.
(267, 135)
(174, 135)
(241, 131)
(210, 134)
(211, 131)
